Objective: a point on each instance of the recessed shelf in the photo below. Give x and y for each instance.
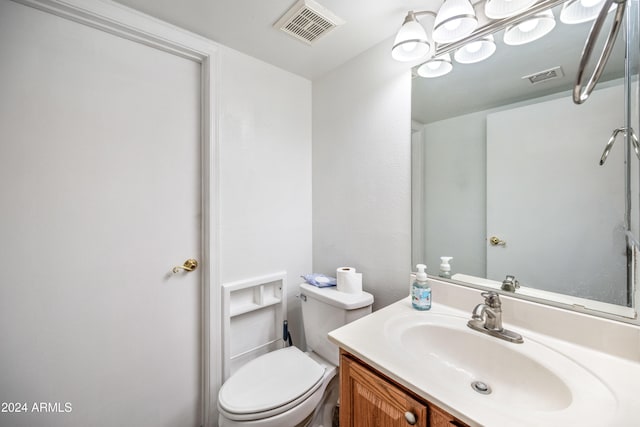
(238, 309)
(252, 315)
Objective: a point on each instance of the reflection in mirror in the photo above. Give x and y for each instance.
(496, 154)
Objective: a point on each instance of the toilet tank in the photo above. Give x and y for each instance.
(326, 309)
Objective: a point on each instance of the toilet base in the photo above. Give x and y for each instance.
(316, 411)
(324, 413)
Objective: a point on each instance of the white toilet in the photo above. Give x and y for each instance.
(287, 387)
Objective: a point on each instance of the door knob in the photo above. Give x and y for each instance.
(496, 241)
(189, 265)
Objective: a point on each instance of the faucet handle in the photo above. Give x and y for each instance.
(492, 299)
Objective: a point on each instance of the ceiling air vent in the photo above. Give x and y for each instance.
(308, 21)
(543, 76)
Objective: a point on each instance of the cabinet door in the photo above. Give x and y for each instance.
(370, 401)
(440, 418)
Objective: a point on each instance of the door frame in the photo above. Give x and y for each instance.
(131, 24)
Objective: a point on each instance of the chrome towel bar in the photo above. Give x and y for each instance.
(581, 94)
(612, 139)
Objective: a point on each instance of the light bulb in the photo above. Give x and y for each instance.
(409, 46)
(473, 47)
(589, 3)
(453, 24)
(528, 25)
(411, 41)
(436, 67)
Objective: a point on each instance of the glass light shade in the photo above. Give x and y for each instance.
(498, 9)
(455, 20)
(436, 67)
(579, 11)
(476, 51)
(411, 42)
(533, 28)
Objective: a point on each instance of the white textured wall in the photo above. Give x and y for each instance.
(265, 173)
(361, 172)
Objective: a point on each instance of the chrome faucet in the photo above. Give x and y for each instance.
(487, 318)
(510, 284)
(490, 313)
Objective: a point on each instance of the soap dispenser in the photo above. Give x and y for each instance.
(445, 268)
(420, 290)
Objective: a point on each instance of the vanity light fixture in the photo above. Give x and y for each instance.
(476, 51)
(454, 28)
(498, 9)
(455, 20)
(436, 67)
(532, 28)
(579, 11)
(411, 42)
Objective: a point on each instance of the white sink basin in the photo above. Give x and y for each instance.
(529, 377)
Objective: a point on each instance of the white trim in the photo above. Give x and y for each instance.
(212, 328)
(130, 24)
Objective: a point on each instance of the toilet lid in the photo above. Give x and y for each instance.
(270, 381)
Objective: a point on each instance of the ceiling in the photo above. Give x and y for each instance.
(247, 26)
(498, 80)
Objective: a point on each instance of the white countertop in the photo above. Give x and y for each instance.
(367, 339)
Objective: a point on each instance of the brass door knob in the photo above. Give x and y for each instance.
(189, 265)
(496, 241)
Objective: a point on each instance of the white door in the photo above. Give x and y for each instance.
(100, 196)
(560, 213)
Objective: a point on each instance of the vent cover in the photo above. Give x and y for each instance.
(543, 76)
(308, 21)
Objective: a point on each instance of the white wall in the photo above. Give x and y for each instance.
(265, 174)
(455, 193)
(361, 172)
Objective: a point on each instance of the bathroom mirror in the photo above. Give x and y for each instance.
(506, 174)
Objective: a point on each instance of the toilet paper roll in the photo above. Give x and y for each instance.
(348, 280)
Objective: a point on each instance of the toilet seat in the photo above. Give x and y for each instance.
(269, 385)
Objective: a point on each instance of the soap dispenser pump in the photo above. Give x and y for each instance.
(445, 268)
(420, 290)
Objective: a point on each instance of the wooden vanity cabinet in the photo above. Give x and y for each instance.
(369, 399)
